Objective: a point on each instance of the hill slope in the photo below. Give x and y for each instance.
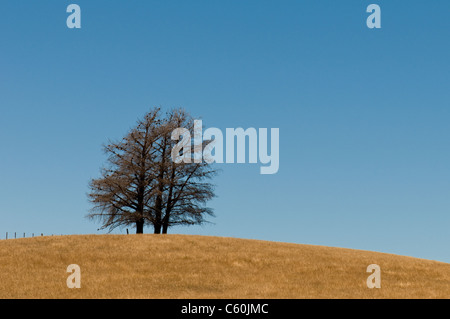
(182, 266)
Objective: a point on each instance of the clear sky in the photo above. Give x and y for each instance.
(363, 114)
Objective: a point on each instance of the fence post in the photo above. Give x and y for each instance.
(127, 231)
(15, 235)
(6, 235)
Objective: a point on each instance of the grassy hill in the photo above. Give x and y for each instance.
(182, 266)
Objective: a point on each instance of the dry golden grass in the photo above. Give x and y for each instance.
(181, 266)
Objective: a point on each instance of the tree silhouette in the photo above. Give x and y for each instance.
(141, 184)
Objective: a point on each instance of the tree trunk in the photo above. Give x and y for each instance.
(140, 226)
(157, 229)
(165, 222)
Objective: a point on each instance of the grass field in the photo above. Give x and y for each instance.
(183, 266)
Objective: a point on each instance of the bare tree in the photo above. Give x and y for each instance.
(142, 185)
(185, 186)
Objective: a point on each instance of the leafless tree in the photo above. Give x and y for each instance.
(141, 184)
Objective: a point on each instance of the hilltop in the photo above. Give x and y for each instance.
(186, 266)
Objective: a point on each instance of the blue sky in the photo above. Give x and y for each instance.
(363, 114)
